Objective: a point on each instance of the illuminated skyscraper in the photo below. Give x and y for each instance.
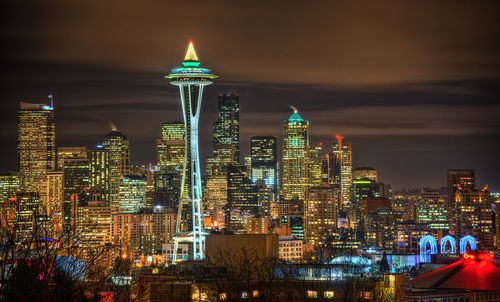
(226, 129)
(68, 153)
(99, 174)
(474, 216)
(55, 200)
(431, 210)
(320, 214)
(9, 185)
(295, 146)
(365, 172)
(117, 146)
(343, 154)
(242, 198)
(458, 179)
(35, 146)
(191, 79)
(95, 224)
(315, 164)
(264, 157)
(76, 190)
(131, 193)
(171, 147)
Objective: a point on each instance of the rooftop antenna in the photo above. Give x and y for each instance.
(51, 98)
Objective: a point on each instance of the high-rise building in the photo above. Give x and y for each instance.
(432, 211)
(69, 153)
(459, 179)
(76, 190)
(264, 157)
(131, 193)
(26, 213)
(320, 214)
(54, 201)
(362, 189)
(379, 226)
(315, 165)
(35, 146)
(474, 216)
(226, 129)
(118, 148)
(99, 174)
(407, 236)
(242, 198)
(343, 154)
(9, 185)
(171, 147)
(191, 79)
(143, 233)
(94, 225)
(295, 146)
(365, 172)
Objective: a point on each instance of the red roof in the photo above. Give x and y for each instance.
(476, 272)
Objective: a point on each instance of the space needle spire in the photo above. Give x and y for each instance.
(191, 79)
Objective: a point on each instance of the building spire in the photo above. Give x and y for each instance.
(191, 54)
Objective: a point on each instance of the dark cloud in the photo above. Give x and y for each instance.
(414, 85)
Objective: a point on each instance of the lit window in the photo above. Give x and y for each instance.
(312, 294)
(244, 295)
(255, 293)
(328, 294)
(223, 296)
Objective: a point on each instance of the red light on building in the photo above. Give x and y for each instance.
(13, 199)
(338, 136)
(468, 256)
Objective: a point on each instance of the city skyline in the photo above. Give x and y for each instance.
(432, 109)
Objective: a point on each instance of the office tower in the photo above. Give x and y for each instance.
(320, 214)
(474, 216)
(263, 161)
(226, 129)
(431, 210)
(68, 153)
(407, 237)
(35, 146)
(131, 193)
(296, 225)
(76, 174)
(258, 225)
(365, 172)
(191, 79)
(171, 147)
(379, 228)
(462, 179)
(94, 225)
(362, 189)
(215, 192)
(315, 164)
(99, 174)
(166, 187)
(266, 201)
(295, 146)
(118, 148)
(9, 185)
(331, 170)
(55, 201)
(143, 233)
(26, 213)
(242, 198)
(343, 154)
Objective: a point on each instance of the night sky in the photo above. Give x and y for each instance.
(415, 86)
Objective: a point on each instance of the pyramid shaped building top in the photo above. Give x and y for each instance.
(295, 116)
(191, 54)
